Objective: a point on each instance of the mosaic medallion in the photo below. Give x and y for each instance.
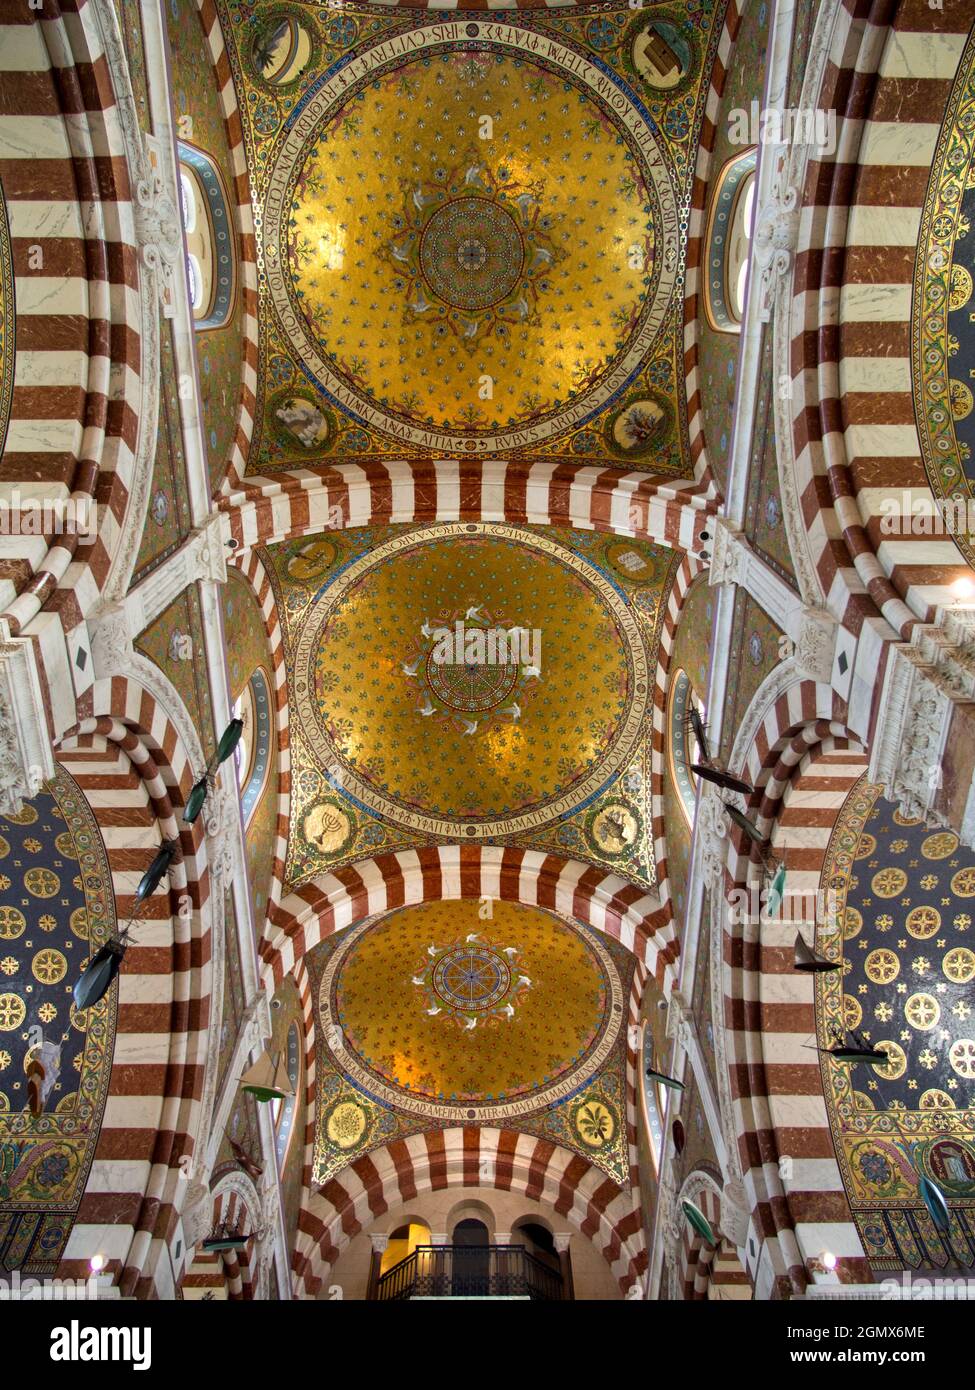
(439, 1013)
(471, 979)
(399, 237)
(523, 743)
(471, 253)
(476, 668)
(471, 688)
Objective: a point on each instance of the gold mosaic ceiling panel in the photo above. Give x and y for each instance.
(471, 232)
(548, 746)
(471, 747)
(437, 1011)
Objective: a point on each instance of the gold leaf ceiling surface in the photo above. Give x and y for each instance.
(471, 231)
(458, 750)
(433, 1009)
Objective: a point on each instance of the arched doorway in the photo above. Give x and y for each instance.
(472, 1260)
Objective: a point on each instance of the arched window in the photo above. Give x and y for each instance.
(682, 745)
(654, 1098)
(402, 1242)
(210, 266)
(283, 1110)
(252, 755)
(728, 242)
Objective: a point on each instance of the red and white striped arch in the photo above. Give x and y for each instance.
(695, 240)
(803, 764)
(455, 1158)
(687, 572)
(303, 983)
(696, 1255)
(250, 565)
(232, 1202)
(127, 759)
(248, 404)
(265, 511)
(426, 1172)
(595, 896)
(887, 76)
(65, 147)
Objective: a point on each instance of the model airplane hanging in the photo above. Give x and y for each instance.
(244, 1160)
(699, 1222)
(709, 768)
(748, 827)
(852, 1048)
(664, 1079)
(96, 979)
(99, 973)
(229, 740)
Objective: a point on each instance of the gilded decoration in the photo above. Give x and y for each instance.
(471, 232)
(942, 327)
(900, 921)
(521, 658)
(7, 336)
(461, 1012)
(55, 887)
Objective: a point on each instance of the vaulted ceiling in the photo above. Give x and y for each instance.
(471, 234)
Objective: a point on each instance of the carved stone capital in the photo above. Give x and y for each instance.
(680, 1020)
(561, 1241)
(26, 759)
(815, 644)
(667, 1216)
(207, 557)
(774, 240)
(111, 639)
(729, 553)
(711, 832)
(256, 1023)
(735, 1215)
(926, 679)
(196, 1213)
(222, 825)
(379, 1244)
(158, 226)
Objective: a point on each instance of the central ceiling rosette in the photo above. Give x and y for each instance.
(472, 250)
(433, 1011)
(471, 747)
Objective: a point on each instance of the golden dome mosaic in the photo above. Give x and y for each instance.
(481, 648)
(441, 224)
(435, 1010)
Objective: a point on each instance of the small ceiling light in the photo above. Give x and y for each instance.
(963, 587)
(828, 1260)
(96, 1263)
